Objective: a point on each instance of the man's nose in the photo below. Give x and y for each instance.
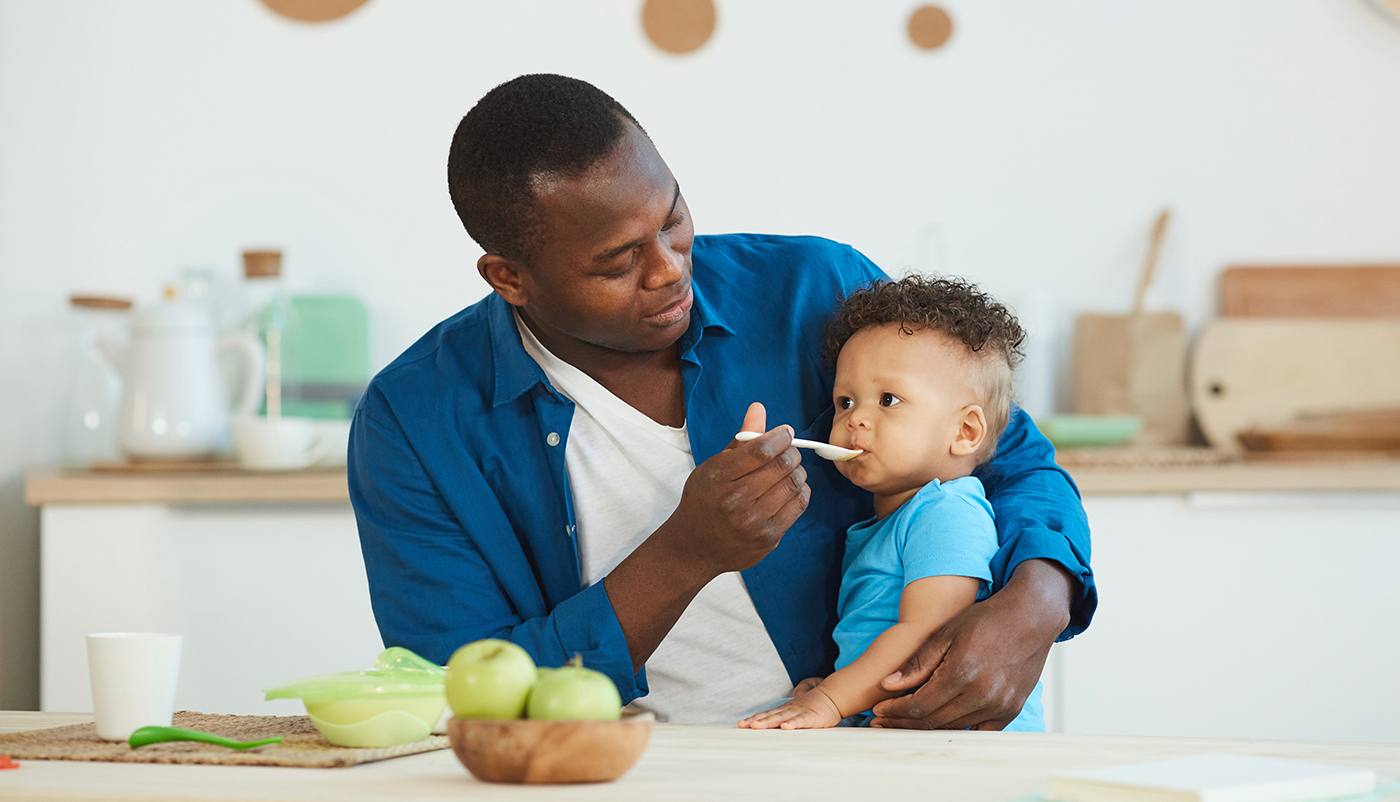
(664, 265)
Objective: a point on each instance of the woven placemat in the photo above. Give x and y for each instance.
(302, 746)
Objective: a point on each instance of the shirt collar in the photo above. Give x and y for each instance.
(516, 372)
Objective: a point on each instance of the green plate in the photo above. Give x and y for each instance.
(1076, 431)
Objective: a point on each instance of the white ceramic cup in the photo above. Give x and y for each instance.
(277, 444)
(336, 434)
(133, 681)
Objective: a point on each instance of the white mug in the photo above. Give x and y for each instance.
(133, 676)
(277, 444)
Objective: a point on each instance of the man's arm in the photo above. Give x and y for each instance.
(978, 670)
(434, 586)
(733, 511)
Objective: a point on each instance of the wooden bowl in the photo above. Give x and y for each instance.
(525, 751)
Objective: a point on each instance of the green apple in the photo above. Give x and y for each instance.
(575, 693)
(489, 679)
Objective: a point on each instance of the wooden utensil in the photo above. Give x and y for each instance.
(1263, 373)
(1135, 364)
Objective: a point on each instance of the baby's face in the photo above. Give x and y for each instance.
(900, 398)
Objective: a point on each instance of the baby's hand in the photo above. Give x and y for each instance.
(806, 711)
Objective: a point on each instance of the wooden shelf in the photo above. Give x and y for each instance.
(80, 486)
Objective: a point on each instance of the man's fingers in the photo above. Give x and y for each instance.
(963, 712)
(755, 419)
(886, 722)
(741, 458)
(785, 485)
(920, 665)
(929, 701)
(958, 714)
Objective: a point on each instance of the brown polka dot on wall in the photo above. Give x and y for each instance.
(930, 27)
(678, 26)
(313, 10)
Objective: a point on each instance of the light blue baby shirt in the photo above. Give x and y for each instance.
(946, 529)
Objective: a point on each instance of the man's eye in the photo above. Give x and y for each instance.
(888, 399)
(622, 267)
(844, 403)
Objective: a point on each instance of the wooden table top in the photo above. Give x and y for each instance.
(684, 763)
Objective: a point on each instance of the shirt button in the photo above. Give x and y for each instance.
(552, 439)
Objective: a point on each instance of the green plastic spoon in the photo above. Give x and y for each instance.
(154, 735)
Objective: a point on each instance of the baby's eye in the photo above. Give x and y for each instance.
(844, 403)
(888, 399)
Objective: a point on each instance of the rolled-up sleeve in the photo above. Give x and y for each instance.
(1039, 514)
(446, 566)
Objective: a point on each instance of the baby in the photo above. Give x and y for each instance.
(923, 387)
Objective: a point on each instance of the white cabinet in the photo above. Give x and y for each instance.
(262, 593)
(1242, 615)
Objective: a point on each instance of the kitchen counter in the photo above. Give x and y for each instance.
(1098, 472)
(685, 762)
(48, 485)
(1182, 471)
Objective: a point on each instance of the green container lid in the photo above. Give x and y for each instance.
(397, 672)
(1074, 431)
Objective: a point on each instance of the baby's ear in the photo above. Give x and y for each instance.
(972, 430)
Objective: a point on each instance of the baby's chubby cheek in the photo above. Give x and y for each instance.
(856, 472)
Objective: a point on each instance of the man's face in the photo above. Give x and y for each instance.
(899, 397)
(613, 271)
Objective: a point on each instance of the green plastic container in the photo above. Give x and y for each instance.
(1078, 431)
(397, 702)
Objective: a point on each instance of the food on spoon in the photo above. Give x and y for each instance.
(574, 693)
(489, 678)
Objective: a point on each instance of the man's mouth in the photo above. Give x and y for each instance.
(673, 312)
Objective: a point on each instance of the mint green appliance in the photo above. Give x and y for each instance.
(328, 364)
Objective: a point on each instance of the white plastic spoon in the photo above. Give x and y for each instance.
(825, 450)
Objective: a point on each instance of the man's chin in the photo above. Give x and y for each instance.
(651, 342)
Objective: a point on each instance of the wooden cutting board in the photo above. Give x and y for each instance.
(1344, 431)
(1262, 373)
(1307, 291)
(1134, 365)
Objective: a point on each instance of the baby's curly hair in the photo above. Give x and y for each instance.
(958, 310)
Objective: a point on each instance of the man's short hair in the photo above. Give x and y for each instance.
(958, 310)
(526, 129)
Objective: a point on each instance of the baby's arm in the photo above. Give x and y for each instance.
(924, 606)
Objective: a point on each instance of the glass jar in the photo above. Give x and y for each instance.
(271, 317)
(88, 420)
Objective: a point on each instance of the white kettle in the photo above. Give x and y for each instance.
(174, 405)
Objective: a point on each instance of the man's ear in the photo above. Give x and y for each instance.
(972, 430)
(505, 277)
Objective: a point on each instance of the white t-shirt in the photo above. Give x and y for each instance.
(718, 663)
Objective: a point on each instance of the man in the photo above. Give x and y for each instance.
(555, 464)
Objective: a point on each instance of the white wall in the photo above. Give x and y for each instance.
(1030, 153)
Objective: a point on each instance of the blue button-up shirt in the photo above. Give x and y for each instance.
(466, 520)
